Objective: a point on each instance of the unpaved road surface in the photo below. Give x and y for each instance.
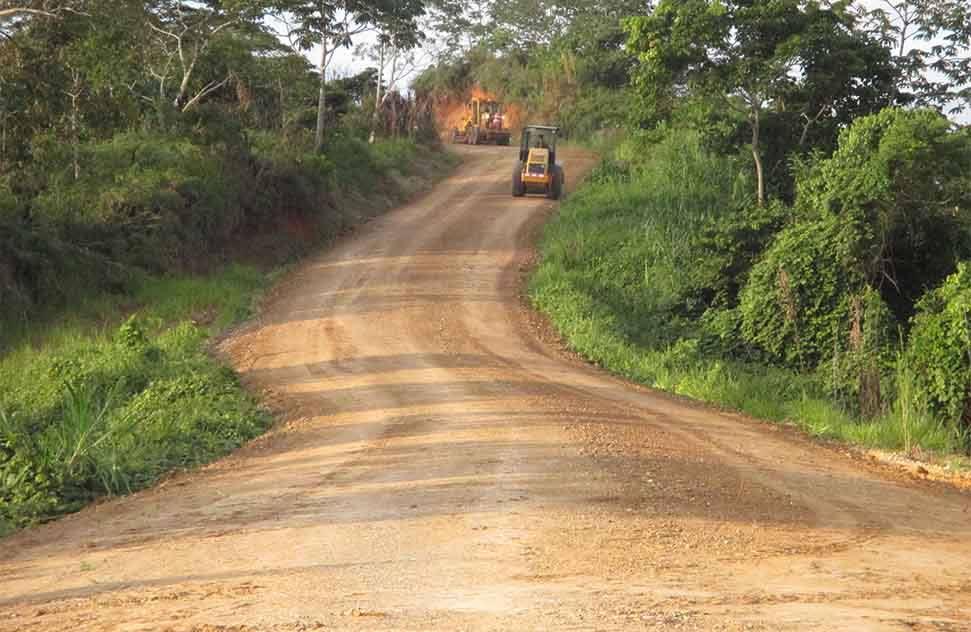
(441, 467)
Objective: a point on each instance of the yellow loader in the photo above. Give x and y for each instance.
(484, 123)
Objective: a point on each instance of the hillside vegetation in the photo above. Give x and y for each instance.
(157, 160)
(783, 227)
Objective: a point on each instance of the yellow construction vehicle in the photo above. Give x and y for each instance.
(484, 122)
(536, 170)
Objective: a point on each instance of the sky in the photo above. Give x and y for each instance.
(346, 61)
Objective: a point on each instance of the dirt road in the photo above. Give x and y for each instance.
(442, 467)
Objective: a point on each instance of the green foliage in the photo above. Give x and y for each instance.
(145, 200)
(795, 304)
(740, 55)
(939, 349)
(650, 213)
(862, 368)
(353, 162)
(594, 109)
(87, 416)
(731, 244)
(885, 217)
(640, 271)
(393, 155)
(900, 180)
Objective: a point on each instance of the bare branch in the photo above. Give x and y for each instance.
(221, 27)
(5, 13)
(164, 32)
(206, 91)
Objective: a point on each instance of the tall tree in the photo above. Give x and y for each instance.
(947, 25)
(68, 71)
(931, 40)
(749, 56)
(330, 24)
(184, 34)
(528, 22)
(397, 36)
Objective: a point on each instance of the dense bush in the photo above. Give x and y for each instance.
(663, 269)
(939, 350)
(650, 213)
(888, 215)
(112, 414)
(176, 201)
(595, 109)
(392, 155)
(795, 305)
(145, 200)
(900, 181)
(730, 245)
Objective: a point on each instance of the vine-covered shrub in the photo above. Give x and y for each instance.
(901, 177)
(731, 245)
(796, 303)
(886, 216)
(863, 367)
(939, 351)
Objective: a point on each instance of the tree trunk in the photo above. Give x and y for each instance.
(74, 137)
(75, 128)
(757, 155)
(3, 131)
(180, 98)
(966, 421)
(870, 398)
(321, 99)
(902, 48)
(376, 117)
(412, 118)
(283, 108)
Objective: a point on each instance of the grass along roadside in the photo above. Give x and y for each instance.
(109, 396)
(105, 410)
(617, 265)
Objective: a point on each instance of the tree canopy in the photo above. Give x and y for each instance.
(800, 61)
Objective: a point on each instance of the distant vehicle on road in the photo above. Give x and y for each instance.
(484, 123)
(536, 170)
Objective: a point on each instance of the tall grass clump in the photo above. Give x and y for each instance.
(96, 409)
(629, 239)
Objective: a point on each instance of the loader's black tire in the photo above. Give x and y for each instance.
(518, 188)
(556, 184)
